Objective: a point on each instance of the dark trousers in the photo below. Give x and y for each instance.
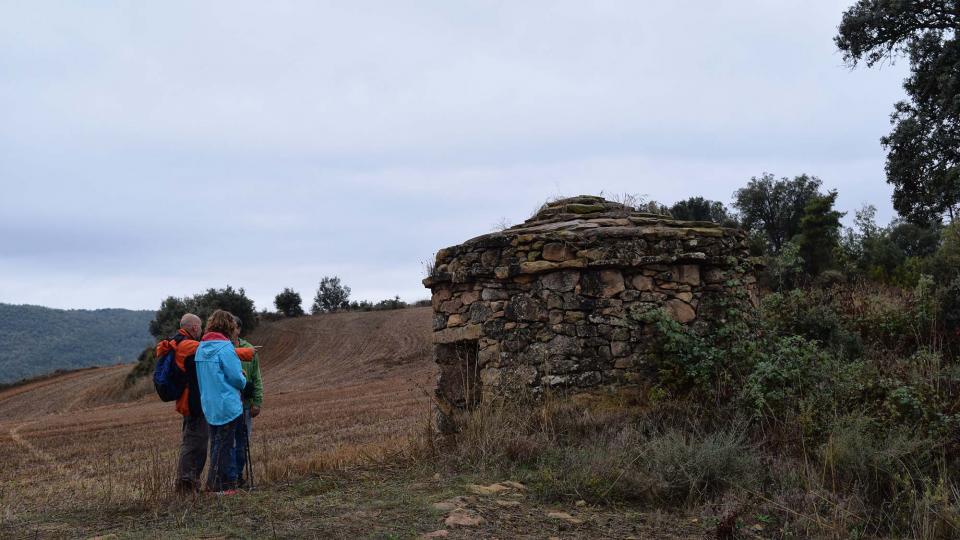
(222, 472)
(244, 432)
(193, 452)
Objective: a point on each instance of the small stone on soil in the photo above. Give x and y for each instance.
(565, 517)
(463, 518)
(492, 489)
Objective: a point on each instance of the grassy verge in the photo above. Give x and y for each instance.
(362, 503)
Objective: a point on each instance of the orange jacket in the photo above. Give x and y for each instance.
(184, 352)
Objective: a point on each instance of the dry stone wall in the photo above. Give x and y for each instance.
(557, 301)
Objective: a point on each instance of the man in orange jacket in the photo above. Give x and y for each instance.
(195, 432)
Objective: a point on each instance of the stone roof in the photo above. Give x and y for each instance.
(591, 213)
(588, 231)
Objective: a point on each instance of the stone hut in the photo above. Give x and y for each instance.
(554, 302)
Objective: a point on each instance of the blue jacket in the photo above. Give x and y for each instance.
(220, 378)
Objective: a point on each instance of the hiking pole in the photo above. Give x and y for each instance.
(246, 434)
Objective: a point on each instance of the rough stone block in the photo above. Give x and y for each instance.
(537, 267)
(564, 345)
(623, 363)
(489, 355)
(689, 274)
(489, 258)
(494, 294)
(558, 252)
(451, 306)
(642, 283)
(463, 333)
(620, 348)
(439, 321)
(714, 275)
(587, 330)
(479, 312)
(562, 281)
(525, 308)
(681, 311)
(602, 283)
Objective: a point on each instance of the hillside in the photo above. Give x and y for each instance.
(343, 379)
(38, 340)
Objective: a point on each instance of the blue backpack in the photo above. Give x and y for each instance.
(168, 379)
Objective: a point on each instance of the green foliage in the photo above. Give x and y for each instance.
(950, 305)
(382, 305)
(37, 340)
(923, 159)
(944, 264)
(810, 352)
(812, 314)
(289, 303)
(166, 320)
(331, 296)
(818, 236)
(898, 253)
(700, 209)
(146, 361)
(774, 207)
(785, 268)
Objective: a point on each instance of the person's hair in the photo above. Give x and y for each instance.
(221, 321)
(189, 319)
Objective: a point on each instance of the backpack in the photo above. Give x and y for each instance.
(168, 379)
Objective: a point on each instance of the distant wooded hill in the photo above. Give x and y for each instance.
(35, 340)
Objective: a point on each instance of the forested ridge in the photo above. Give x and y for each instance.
(35, 340)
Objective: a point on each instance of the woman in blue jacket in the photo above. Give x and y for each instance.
(221, 381)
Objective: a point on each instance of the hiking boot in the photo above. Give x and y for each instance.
(227, 492)
(184, 486)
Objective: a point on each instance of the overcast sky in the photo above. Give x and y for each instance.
(150, 149)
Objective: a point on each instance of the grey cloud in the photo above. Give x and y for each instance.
(356, 139)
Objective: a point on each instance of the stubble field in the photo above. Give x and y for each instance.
(339, 387)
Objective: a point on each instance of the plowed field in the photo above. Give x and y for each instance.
(335, 385)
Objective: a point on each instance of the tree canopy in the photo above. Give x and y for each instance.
(700, 209)
(774, 208)
(923, 148)
(331, 296)
(819, 233)
(289, 303)
(166, 320)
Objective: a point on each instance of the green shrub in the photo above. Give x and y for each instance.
(143, 368)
